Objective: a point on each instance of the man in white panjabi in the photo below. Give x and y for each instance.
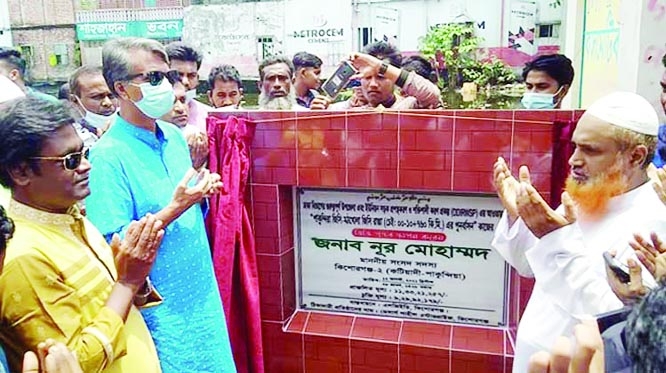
(608, 198)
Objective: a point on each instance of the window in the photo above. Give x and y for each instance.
(266, 47)
(364, 36)
(28, 54)
(549, 30)
(61, 57)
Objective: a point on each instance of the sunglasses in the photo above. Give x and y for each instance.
(156, 77)
(71, 161)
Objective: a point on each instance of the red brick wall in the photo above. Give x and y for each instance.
(424, 150)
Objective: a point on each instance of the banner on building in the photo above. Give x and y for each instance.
(401, 254)
(158, 29)
(386, 24)
(323, 30)
(241, 34)
(522, 26)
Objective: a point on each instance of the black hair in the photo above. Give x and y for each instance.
(225, 73)
(24, 125)
(178, 50)
(557, 66)
(13, 58)
(305, 59)
(81, 71)
(420, 66)
(645, 332)
(63, 91)
(275, 60)
(385, 52)
(6, 229)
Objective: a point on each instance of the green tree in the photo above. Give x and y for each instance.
(456, 44)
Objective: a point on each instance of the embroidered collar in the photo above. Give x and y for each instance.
(20, 210)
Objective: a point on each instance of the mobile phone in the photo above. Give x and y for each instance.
(620, 270)
(338, 81)
(608, 319)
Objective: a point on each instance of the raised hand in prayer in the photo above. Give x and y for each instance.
(198, 144)
(587, 356)
(53, 358)
(507, 188)
(651, 254)
(536, 213)
(658, 176)
(134, 256)
(208, 183)
(628, 292)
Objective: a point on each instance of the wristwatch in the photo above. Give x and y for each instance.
(382, 69)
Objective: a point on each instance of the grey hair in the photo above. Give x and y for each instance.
(117, 61)
(85, 70)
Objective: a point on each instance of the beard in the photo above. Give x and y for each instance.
(277, 103)
(593, 195)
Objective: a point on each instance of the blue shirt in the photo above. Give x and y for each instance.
(135, 172)
(4, 367)
(659, 159)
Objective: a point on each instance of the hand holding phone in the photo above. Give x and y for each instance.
(620, 270)
(338, 81)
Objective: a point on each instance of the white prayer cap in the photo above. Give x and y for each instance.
(9, 90)
(627, 110)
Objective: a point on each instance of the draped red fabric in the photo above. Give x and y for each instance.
(232, 240)
(562, 150)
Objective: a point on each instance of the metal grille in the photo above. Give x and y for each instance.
(119, 15)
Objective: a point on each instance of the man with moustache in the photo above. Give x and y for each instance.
(226, 87)
(608, 198)
(90, 94)
(276, 75)
(60, 280)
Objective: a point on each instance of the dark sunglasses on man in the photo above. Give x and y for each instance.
(156, 77)
(71, 161)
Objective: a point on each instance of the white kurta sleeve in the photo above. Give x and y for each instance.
(565, 273)
(512, 243)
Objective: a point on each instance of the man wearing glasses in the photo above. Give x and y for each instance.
(61, 280)
(142, 165)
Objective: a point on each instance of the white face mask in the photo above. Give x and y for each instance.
(536, 101)
(157, 99)
(190, 95)
(93, 119)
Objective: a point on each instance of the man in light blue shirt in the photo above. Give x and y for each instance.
(138, 168)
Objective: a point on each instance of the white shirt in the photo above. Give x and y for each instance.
(569, 269)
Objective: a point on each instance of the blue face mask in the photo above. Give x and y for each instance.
(537, 101)
(157, 99)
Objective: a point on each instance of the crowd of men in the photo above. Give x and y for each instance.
(96, 182)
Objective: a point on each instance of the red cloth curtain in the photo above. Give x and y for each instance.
(232, 240)
(562, 150)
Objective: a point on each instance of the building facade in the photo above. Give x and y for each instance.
(43, 31)
(243, 33)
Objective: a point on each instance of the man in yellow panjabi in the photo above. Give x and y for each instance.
(60, 279)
